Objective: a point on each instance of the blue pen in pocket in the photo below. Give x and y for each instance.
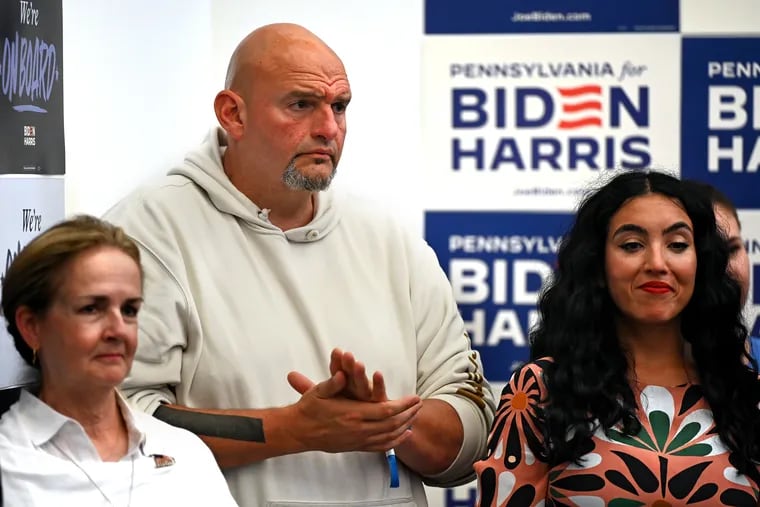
(390, 455)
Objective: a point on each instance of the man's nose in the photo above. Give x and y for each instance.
(325, 124)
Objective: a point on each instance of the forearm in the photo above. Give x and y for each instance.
(237, 437)
(435, 441)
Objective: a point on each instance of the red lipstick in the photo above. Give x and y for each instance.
(656, 287)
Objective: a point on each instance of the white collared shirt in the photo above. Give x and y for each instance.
(48, 459)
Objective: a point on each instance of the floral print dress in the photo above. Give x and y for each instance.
(677, 459)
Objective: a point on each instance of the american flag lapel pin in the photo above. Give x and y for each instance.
(162, 461)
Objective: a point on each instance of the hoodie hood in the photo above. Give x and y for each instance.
(204, 167)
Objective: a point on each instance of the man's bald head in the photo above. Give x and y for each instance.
(284, 112)
(268, 46)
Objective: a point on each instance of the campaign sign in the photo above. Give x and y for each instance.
(497, 263)
(549, 16)
(31, 87)
(720, 115)
(532, 126)
(28, 206)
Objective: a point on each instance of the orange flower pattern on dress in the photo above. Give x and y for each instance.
(677, 458)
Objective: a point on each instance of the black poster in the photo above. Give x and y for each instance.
(31, 87)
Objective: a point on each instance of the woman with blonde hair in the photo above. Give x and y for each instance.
(71, 300)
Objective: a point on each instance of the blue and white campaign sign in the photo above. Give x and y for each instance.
(549, 16)
(527, 105)
(28, 206)
(720, 115)
(529, 126)
(497, 263)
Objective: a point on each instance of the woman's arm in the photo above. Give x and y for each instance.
(512, 473)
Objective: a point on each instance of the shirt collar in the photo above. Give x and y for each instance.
(43, 423)
(136, 434)
(39, 420)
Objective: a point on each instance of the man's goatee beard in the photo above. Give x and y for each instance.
(294, 180)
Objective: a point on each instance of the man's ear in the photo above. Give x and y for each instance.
(230, 112)
(28, 326)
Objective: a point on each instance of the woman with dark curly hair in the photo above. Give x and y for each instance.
(639, 390)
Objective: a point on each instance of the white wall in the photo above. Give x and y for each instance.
(140, 78)
(137, 93)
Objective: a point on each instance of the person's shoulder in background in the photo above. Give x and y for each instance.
(754, 342)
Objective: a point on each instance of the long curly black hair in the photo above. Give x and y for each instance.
(587, 380)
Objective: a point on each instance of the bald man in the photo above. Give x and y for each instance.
(301, 333)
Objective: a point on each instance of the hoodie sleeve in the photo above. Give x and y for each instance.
(448, 368)
(163, 322)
